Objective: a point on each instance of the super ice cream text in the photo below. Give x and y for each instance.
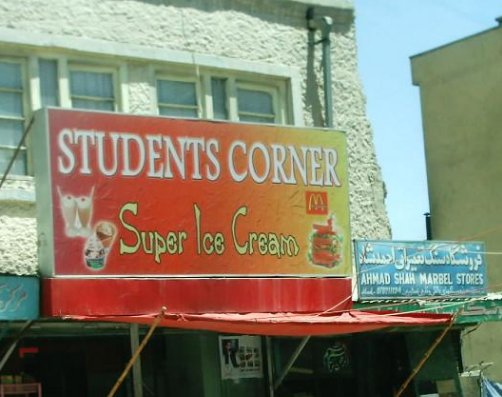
(126, 154)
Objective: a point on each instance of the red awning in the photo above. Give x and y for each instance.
(283, 324)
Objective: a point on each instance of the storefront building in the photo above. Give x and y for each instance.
(429, 276)
(122, 214)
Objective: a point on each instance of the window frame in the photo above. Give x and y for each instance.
(166, 76)
(23, 63)
(202, 78)
(100, 55)
(72, 65)
(278, 116)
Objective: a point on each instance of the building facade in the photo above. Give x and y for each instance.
(239, 61)
(460, 101)
(122, 56)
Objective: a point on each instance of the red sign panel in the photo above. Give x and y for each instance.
(125, 195)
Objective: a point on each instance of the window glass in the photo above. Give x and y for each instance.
(49, 91)
(11, 116)
(92, 90)
(19, 166)
(255, 106)
(11, 132)
(10, 75)
(11, 103)
(177, 98)
(92, 104)
(219, 94)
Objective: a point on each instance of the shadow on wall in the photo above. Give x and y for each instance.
(275, 11)
(266, 10)
(314, 88)
(292, 13)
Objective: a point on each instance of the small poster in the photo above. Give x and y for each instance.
(240, 357)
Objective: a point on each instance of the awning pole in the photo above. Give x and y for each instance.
(291, 361)
(137, 352)
(425, 358)
(270, 363)
(14, 343)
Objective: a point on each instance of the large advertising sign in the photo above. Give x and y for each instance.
(124, 195)
(403, 269)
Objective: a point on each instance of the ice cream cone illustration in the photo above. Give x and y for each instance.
(106, 231)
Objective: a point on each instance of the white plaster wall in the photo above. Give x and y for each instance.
(271, 32)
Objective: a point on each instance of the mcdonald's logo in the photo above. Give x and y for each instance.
(316, 203)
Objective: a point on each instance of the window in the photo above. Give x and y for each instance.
(225, 98)
(12, 115)
(50, 79)
(49, 87)
(177, 98)
(91, 89)
(256, 105)
(219, 98)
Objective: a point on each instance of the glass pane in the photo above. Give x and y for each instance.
(11, 132)
(11, 104)
(256, 119)
(176, 92)
(91, 84)
(177, 112)
(19, 166)
(90, 104)
(254, 101)
(10, 75)
(48, 71)
(219, 94)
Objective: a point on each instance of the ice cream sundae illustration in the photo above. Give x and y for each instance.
(94, 253)
(325, 245)
(98, 245)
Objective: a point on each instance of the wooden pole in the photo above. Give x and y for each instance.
(14, 343)
(425, 358)
(291, 361)
(137, 353)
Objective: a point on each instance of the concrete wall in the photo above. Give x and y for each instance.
(461, 97)
(265, 32)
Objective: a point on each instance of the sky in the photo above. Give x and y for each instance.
(388, 32)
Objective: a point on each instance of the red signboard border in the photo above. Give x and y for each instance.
(101, 297)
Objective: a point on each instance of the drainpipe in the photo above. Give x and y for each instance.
(428, 228)
(324, 25)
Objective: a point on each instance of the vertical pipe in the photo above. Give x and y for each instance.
(328, 94)
(324, 25)
(428, 229)
(270, 363)
(136, 367)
